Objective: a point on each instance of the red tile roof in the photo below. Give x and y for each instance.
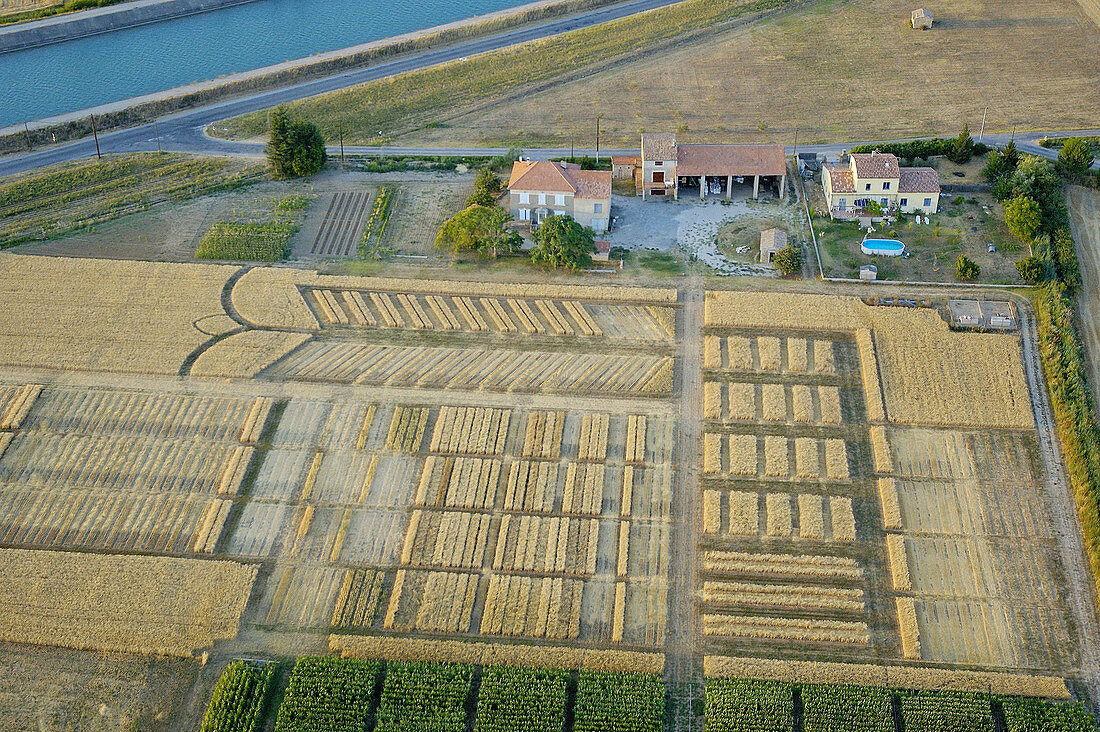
(919, 180)
(840, 177)
(550, 177)
(626, 160)
(876, 165)
(731, 160)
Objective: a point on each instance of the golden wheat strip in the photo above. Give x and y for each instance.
(393, 312)
(829, 396)
(899, 563)
(445, 309)
(712, 352)
(908, 628)
(624, 549)
(712, 454)
(358, 308)
(499, 315)
(836, 459)
(417, 317)
(469, 313)
(364, 431)
(843, 519)
(526, 318)
(806, 458)
(334, 304)
(368, 479)
(712, 512)
(743, 454)
(311, 476)
(888, 497)
(797, 355)
(550, 317)
(593, 545)
(584, 449)
(802, 401)
(782, 565)
(778, 514)
(741, 400)
(824, 361)
(582, 318)
(744, 514)
(788, 629)
(341, 536)
(811, 521)
(627, 501)
(872, 388)
(808, 597)
(619, 616)
(774, 403)
(712, 400)
(248, 426)
(776, 457)
(881, 450)
(768, 351)
(14, 416)
(324, 306)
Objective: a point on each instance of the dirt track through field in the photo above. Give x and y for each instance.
(1080, 588)
(683, 674)
(1084, 218)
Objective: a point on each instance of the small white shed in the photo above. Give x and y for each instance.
(868, 273)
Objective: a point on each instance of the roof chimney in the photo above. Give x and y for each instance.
(563, 165)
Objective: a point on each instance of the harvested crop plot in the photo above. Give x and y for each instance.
(117, 328)
(477, 369)
(775, 458)
(493, 315)
(120, 603)
(974, 550)
(343, 220)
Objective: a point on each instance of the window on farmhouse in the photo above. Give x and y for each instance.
(868, 187)
(559, 199)
(886, 185)
(927, 202)
(525, 198)
(905, 202)
(597, 208)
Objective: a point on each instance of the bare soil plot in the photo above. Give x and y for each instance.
(419, 209)
(739, 84)
(338, 230)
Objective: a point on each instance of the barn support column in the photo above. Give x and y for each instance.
(783, 188)
(729, 187)
(702, 188)
(756, 187)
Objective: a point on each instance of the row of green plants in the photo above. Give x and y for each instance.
(71, 6)
(328, 695)
(956, 149)
(397, 103)
(370, 243)
(619, 702)
(256, 241)
(750, 705)
(424, 697)
(238, 701)
(515, 699)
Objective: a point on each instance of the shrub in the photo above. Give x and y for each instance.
(788, 260)
(1075, 158)
(966, 268)
(962, 147)
(1065, 258)
(1030, 269)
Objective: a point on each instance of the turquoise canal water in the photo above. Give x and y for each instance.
(75, 75)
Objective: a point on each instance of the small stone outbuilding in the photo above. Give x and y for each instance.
(623, 166)
(922, 19)
(771, 241)
(868, 273)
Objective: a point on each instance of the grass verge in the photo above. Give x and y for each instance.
(398, 103)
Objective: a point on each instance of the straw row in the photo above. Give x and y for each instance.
(532, 487)
(790, 597)
(407, 428)
(546, 607)
(593, 439)
(782, 565)
(19, 406)
(470, 430)
(254, 422)
(543, 436)
(754, 627)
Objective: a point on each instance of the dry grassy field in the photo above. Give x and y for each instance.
(871, 77)
(498, 473)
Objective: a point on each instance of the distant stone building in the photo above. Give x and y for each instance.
(771, 241)
(922, 19)
(622, 166)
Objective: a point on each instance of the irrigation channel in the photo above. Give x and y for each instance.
(129, 62)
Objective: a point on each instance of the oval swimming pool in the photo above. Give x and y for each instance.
(882, 247)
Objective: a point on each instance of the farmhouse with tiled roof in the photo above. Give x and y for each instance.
(669, 168)
(537, 189)
(878, 178)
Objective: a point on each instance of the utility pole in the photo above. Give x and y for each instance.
(981, 134)
(156, 129)
(598, 138)
(341, 144)
(571, 154)
(96, 136)
(27, 134)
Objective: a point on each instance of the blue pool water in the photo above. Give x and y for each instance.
(82, 73)
(883, 247)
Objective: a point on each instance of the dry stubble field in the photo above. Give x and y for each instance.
(487, 472)
(848, 70)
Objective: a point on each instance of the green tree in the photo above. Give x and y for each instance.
(962, 147)
(1037, 178)
(562, 242)
(1023, 217)
(296, 147)
(487, 188)
(1065, 258)
(1075, 158)
(478, 229)
(966, 268)
(1030, 269)
(788, 260)
(1001, 163)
